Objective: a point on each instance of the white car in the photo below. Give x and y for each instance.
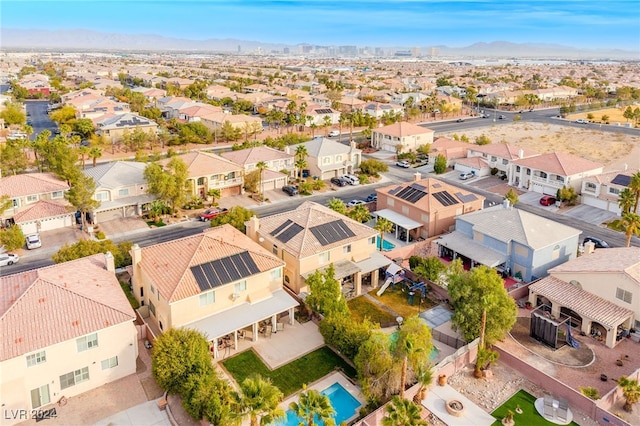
(582, 121)
(334, 133)
(403, 164)
(351, 179)
(8, 259)
(354, 203)
(466, 175)
(33, 241)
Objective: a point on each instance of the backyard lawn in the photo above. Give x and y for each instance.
(290, 377)
(397, 300)
(362, 308)
(529, 414)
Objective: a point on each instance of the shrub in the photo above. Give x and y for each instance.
(373, 167)
(12, 238)
(100, 235)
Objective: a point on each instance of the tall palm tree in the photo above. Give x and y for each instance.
(360, 213)
(312, 404)
(402, 412)
(383, 225)
(259, 400)
(300, 156)
(213, 193)
(630, 391)
(94, 154)
(261, 165)
(626, 200)
(82, 152)
(634, 186)
(337, 205)
(630, 224)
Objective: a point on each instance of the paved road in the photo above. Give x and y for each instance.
(40, 118)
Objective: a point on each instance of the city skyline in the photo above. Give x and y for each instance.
(575, 23)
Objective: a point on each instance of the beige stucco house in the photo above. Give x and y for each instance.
(219, 282)
(279, 164)
(66, 329)
(406, 135)
(328, 158)
(114, 128)
(603, 191)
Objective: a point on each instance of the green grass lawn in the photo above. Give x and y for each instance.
(290, 377)
(362, 308)
(529, 414)
(397, 300)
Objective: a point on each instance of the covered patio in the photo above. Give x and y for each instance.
(400, 222)
(245, 321)
(461, 245)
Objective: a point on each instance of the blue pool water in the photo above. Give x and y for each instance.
(343, 403)
(386, 245)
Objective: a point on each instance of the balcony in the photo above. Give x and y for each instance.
(225, 183)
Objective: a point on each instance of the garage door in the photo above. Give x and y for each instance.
(268, 185)
(538, 188)
(595, 202)
(234, 190)
(108, 215)
(46, 224)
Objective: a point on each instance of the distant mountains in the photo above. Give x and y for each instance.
(13, 38)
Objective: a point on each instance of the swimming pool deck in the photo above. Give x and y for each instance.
(473, 415)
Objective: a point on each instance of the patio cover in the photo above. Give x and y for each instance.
(376, 261)
(244, 315)
(398, 219)
(125, 201)
(464, 245)
(343, 268)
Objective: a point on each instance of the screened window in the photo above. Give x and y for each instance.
(87, 342)
(37, 358)
(623, 295)
(207, 298)
(73, 378)
(109, 363)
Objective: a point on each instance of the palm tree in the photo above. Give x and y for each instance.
(312, 404)
(94, 154)
(630, 223)
(213, 193)
(82, 152)
(383, 225)
(301, 155)
(261, 165)
(425, 377)
(337, 205)
(402, 412)
(626, 200)
(259, 400)
(630, 391)
(634, 186)
(360, 213)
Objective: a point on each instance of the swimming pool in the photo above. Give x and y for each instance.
(342, 401)
(386, 245)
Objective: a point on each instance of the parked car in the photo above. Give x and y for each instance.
(371, 197)
(291, 190)
(459, 120)
(597, 241)
(548, 200)
(209, 214)
(338, 181)
(306, 173)
(501, 117)
(8, 259)
(351, 179)
(354, 203)
(466, 175)
(582, 121)
(334, 133)
(33, 241)
(403, 164)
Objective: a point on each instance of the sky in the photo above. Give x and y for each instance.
(607, 24)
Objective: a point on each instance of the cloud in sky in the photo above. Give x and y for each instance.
(580, 23)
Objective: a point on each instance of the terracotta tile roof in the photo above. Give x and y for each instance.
(504, 150)
(168, 265)
(476, 162)
(402, 129)
(44, 209)
(559, 163)
(584, 303)
(68, 300)
(624, 260)
(308, 215)
(31, 184)
(203, 163)
(255, 155)
(607, 177)
(449, 148)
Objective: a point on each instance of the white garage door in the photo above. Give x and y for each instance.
(108, 215)
(46, 224)
(595, 202)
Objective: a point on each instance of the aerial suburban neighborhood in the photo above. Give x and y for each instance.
(272, 234)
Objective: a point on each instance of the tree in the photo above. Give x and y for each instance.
(168, 185)
(64, 115)
(214, 193)
(482, 140)
(383, 226)
(359, 213)
(80, 196)
(300, 156)
(630, 224)
(628, 113)
(402, 412)
(345, 334)
(440, 164)
(84, 248)
(82, 153)
(512, 196)
(178, 355)
(377, 369)
(430, 268)
(337, 205)
(630, 391)
(5, 203)
(373, 167)
(259, 400)
(326, 293)
(412, 347)
(12, 114)
(94, 154)
(84, 126)
(236, 217)
(605, 118)
(312, 404)
(261, 166)
(252, 181)
(634, 187)
(207, 396)
(12, 238)
(12, 158)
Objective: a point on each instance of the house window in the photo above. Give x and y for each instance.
(346, 249)
(200, 181)
(73, 378)
(153, 289)
(390, 202)
(615, 191)
(493, 158)
(623, 295)
(338, 158)
(326, 160)
(372, 240)
(555, 255)
(276, 274)
(152, 308)
(231, 175)
(323, 257)
(87, 342)
(505, 161)
(560, 178)
(215, 178)
(57, 194)
(424, 217)
(158, 295)
(528, 172)
(32, 199)
(543, 175)
(123, 192)
(102, 196)
(109, 363)
(207, 298)
(589, 186)
(16, 202)
(241, 286)
(274, 250)
(517, 169)
(40, 396)
(484, 155)
(37, 358)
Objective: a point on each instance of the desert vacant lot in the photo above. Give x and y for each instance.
(616, 115)
(614, 150)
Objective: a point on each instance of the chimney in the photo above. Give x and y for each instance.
(589, 247)
(136, 254)
(252, 227)
(626, 166)
(521, 154)
(506, 204)
(417, 176)
(109, 262)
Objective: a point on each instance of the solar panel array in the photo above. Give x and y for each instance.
(622, 180)
(394, 190)
(135, 121)
(445, 198)
(411, 194)
(331, 232)
(324, 111)
(225, 270)
(465, 198)
(286, 231)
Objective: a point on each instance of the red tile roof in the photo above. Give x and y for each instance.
(31, 184)
(44, 209)
(559, 163)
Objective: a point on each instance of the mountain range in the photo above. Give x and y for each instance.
(80, 39)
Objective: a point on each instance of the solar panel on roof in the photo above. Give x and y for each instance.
(225, 270)
(323, 111)
(291, 231)
(411, 194)
(445, 198)
(200, 277)
(281, 227)
(418, 186)
(466, 197)
(249, 263)
(622, 180)
(331, 232)
(230, 268)
(210, 273)
(394, 190)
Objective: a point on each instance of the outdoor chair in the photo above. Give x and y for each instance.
(563, 409)
(280, 326)
(548, 406)
(267, 332)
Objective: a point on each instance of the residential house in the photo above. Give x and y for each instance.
(513, 241)
(406, 135)
(219, 282)
(452, 150)
(312, 237)
(319, 116)
(603, 191)
(194, 112)
(90, 336)
(378, 110)
(38, 202)
(599, 290)
(328, 158)
(36, 84)
(547, 173)
(493, 156)
(210, 171)
(279, 164)
(217, 92)
(425, 207)
(114, 128)
(121, 189)
(249, 125)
